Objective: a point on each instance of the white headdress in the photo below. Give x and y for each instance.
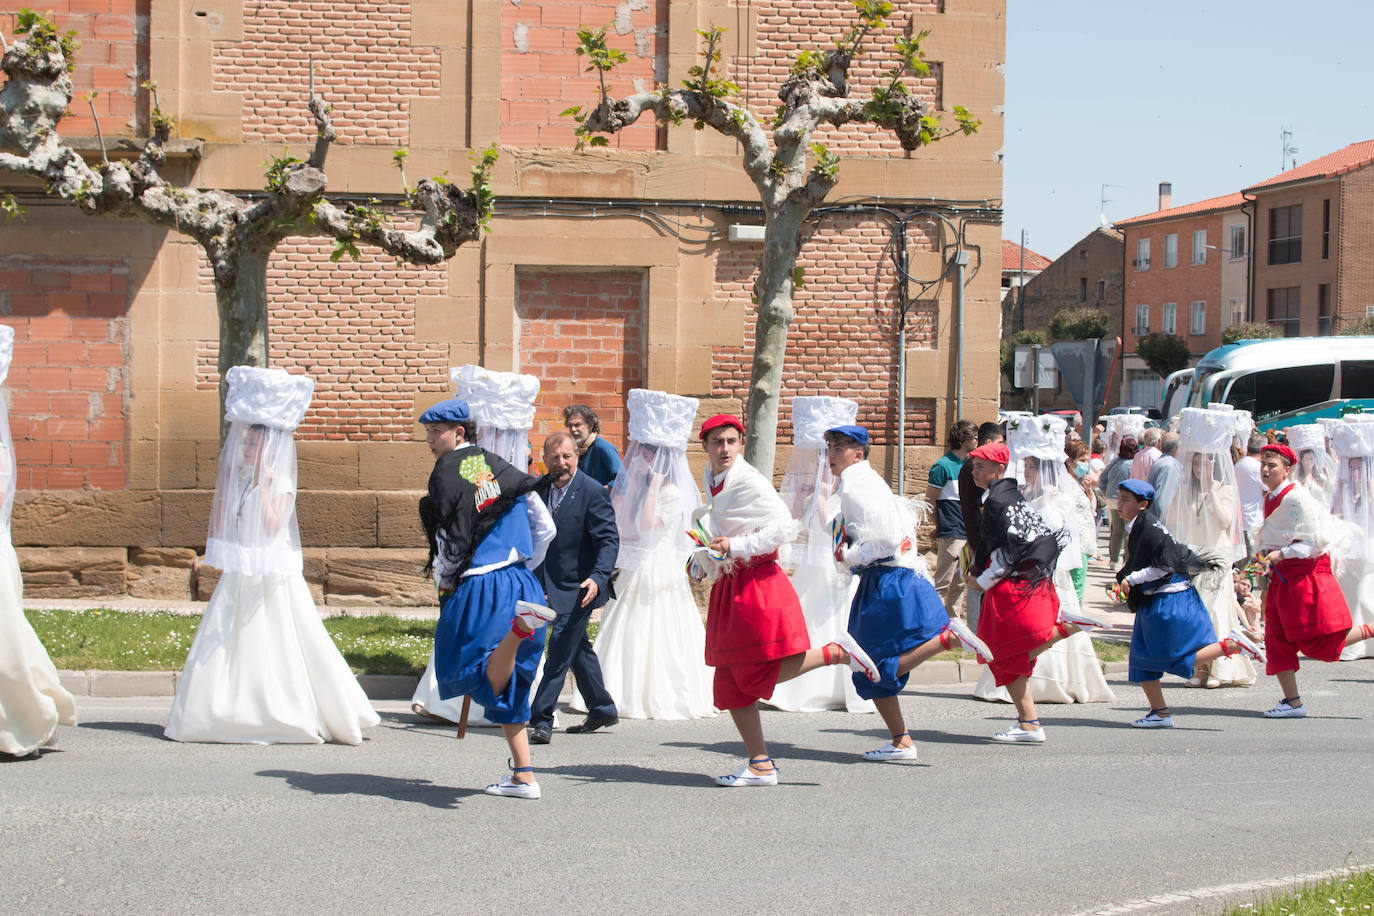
(808, 487)
(502, 406)
(655, 491)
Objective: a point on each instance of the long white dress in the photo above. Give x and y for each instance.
(262, 668)
(652, 643)
(33, 701)
(1352, 443)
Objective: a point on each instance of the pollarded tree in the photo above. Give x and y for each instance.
(1164, 354)
(792, 174)
(238, 235)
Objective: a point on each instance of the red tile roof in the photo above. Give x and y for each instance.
(1211, 204)
(1011, 257)
(1347, 159)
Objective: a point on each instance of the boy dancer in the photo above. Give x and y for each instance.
(1173, 631)
(755, 632)
(1304, 610)
(1014, 565)
(483, 530)
(897, 616)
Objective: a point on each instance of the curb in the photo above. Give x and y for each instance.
(402, 686)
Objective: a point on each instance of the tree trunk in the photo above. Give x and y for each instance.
(242, 321)
(782, 241)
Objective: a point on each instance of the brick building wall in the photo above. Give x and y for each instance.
(69, 373)
(843, 336)
(1312, 271)
(1182, 284)
(541, 74)
(113, 61)
(582, 335)
(365, 66)
(1354, 242)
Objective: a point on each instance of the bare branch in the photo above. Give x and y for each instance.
(450, 219)
(324, 124)
(100, 137)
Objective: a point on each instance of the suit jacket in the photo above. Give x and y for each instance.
(585, 546)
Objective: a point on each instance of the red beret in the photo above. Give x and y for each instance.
(719, 420)
(996, 452)
(1282, 451)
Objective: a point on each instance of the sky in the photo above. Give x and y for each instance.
(1194, 93)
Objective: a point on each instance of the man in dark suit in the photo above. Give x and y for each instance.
(574, 574)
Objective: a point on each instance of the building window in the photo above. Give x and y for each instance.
(1200, 246)
(1142, 254)
(1235, 310)
(1369, 311)
(1237, 243)
(1324, 310)
(1171, 250)
(1082, 289)
(1285, 235)
(1198, 323)
(1101, 290)
(1142, 320)
(1169, 322)
(1285, 309)
(1326, 229)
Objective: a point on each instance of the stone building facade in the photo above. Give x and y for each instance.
(602, 271)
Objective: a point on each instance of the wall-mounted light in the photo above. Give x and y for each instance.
(741, 232)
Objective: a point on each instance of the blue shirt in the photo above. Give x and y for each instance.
(601, 462)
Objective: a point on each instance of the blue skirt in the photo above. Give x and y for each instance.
(894, 611)
(473, 620)
(1169, 630)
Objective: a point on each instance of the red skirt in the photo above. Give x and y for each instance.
(1014, 619)
(1306, 597)
(754, 615)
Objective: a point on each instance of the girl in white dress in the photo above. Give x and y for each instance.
(1205, 515)
(1069, 671)
(1353, 445)
(502, 406)
(33, 701)
(652, 643)
(262, 668)
(1316, 469)
(825, 592)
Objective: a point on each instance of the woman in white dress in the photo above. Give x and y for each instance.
(824, 590)
(1069, 671)
(1352, 443)
(652, 643)
(262, 668)
(1315, 468)
(502, 406)
(1205, 515)
(33, 701)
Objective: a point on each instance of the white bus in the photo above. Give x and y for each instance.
(1284, 381)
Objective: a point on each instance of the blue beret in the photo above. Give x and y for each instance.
(1139, 488)
(857, 433)
(451, 411)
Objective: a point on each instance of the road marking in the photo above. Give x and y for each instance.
(1221, 890)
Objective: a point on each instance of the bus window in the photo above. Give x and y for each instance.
(1201, 394)
(1275, 391)
(1357, 378)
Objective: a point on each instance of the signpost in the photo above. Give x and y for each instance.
(1087, 369)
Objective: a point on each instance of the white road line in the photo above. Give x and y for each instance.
(1221, 890)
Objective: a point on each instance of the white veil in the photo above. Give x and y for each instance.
(7, 462)
(502, 406)
(1205, 512)
(253, 520)
(1352, 443)
(1315, 468)
(808, 487)
(655, 494)
(1038, 458)
(1119, 426)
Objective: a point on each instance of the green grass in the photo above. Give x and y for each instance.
(1348, 895)
(109, 640)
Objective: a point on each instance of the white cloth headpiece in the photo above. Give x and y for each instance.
(1205, 430)
(812, 416)
(1037, 437)
(269, 397)
(1308, 435)
(6, 351)
(1354, 438)
(660, 418)
(497, 400)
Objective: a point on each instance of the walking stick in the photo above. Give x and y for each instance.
(463, 718)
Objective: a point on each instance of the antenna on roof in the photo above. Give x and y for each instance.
(1102, 205)
(1290, 152)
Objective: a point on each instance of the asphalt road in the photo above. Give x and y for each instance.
(119, 819)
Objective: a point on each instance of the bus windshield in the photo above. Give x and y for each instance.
(1201, 393)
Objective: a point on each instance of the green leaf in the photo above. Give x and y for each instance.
(572, 111)
(798, 279)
